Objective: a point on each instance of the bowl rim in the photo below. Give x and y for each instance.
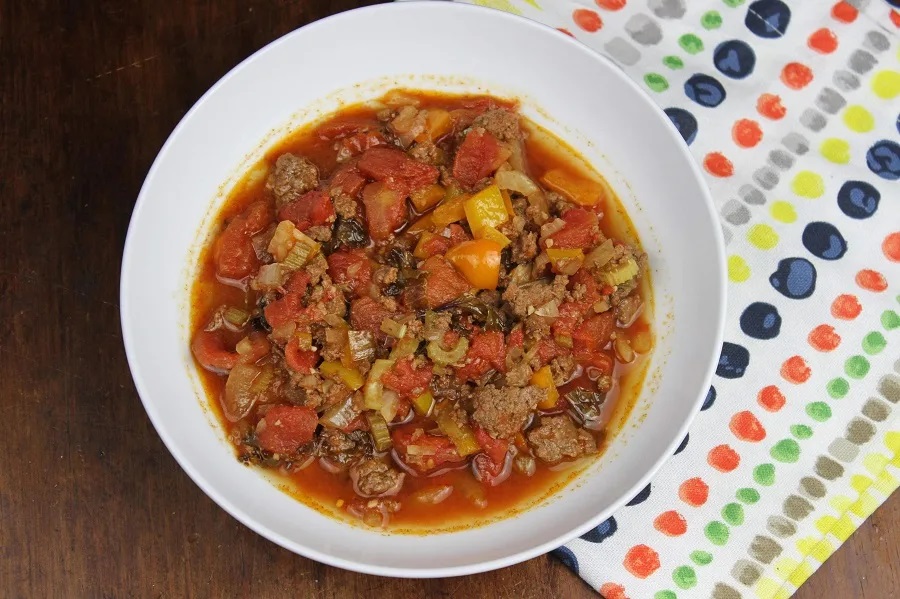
(412, 572)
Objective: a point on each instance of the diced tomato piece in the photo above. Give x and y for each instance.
(549, 349)
(347, 180)
(311, 209)
(495, 449)
(580, 230)
(366, 314)
(209, 349)
(435, 245)
(357, 424)
(451, 338)
(397, 170)
(346, 126)
(458, 234)
(406, 380)
(287, 428)
(259, 347)
(385, 210)
(442, 282)
(593, 335)
(258, 215)
(486, 351)
(587, 280)
(516, 338)
(434, 451)
(478, 156)
(283, 310)
(361, 141)
(602, 361)
(298, 283)
(233, 252)
(351, 268)
(300, 360)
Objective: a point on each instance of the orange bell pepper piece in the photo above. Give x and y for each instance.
(478, 261)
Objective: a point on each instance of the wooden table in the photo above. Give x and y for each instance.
(91, 503)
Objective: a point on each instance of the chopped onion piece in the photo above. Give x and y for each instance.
(238, 399)
(391, 327)
(362, 345)
(623, 349)
(550, 309)
(433, 495)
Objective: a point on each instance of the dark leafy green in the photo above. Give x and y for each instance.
(348, 232)
(490, 317)
(587, 404)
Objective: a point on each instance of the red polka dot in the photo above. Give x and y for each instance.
(670, 523)
(587, 20)
(564, 30)
(796, 75)
(771, 398)
(794, 370)
(641, 561)
(845, 307)
(769, 105)
(747, 427)
(611, 590)
(823, 338)
(746, 133)
(844, 12)
(694, 492)
(871, 280)
(723, 458)
(895, 18)
(718, 165)
(823, 41)
(612, 4)
(891, 247)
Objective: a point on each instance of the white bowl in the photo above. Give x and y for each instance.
(446, 46)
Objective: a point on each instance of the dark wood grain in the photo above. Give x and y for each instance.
(91, 503)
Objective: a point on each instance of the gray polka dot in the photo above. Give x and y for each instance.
(828, 468)
(735, 213)
(813, 120)
(781, 527)
(644, 30)
(845, 80)
(889, 386)
(843, 450)
(668, 9)
(876, 409)
(858, 4)
(727, 235)
(620, 50)
(781, 159)
(723, 591)
(861, 62)
(875, 40)
(766, 177)
(796, 143)
(796, 508)
(830, 101)
(812, 487)
(752, 195)
(764, 549)
(859, 431)
(746, 572)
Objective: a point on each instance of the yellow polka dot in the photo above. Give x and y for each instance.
(859, 119)
(840, 503)
(766, 588)
(865, 506)
(886, 84)
(896, 461)
(783, 211)
(835, 150)
(860, 482)
(825, 524)
(763, 236)
(819, 550)
(808, 184)
(892, 441)
(886, 482)
(875, 463)
(843, 528)
(792, 571)
(738, 271)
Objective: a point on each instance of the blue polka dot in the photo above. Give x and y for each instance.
(604, 530)
(704, 90)
(567, 557)
(684, 443)
(734, 59)
(898, 123)
(761, 321)
(640, 497)
(710, 399)
(883, 159)
(768, 18)
(733, 361)
(824, 241)
(858, 199)
(684, 121)
(795, 278)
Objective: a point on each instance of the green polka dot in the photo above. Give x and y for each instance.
(701, 558)
(786, 450)
(738, 271)
(684, 577)
(801, 431)
(838, 388)
(890, 320)
(764, 474)
(747, 495)
(665, 595)
(835, 150)
(808, 184)
(690, 43)
(711, 20)
(656, 82)
(673, 62)
(873, 343)
(859, 119)
(856, 367)
(886, 84)
(733, 514)
(783, 212)
(818, 411)
(716, 532)
(763, 236)
(733, 3)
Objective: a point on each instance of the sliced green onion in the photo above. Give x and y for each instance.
(443, 357)
(379, 429)
(236, 316)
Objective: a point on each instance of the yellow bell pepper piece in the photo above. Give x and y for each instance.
(576, 189)
(565, 261)
(543, 378)
(486, 209)
(423, 403)
(449, 211)
(426, 198)
(419, 251)
(478, 261)
(494, 235)
(337, 371)
(423, 224)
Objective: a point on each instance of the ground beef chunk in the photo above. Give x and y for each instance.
(563, 367)
(344, 448)
(502, 123)
(427, 152)
(316, 268)
(375, 478)
(447, 386)
(385, 275)
(293, 176)
(537, 327)
(519, 375)
(558, 438)
(627, 309)
(319, 233)
(306, 390)
(558, 204)
(525, 298)
(503, 412)
(345, 206)
(336, 393)
(438, 325)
